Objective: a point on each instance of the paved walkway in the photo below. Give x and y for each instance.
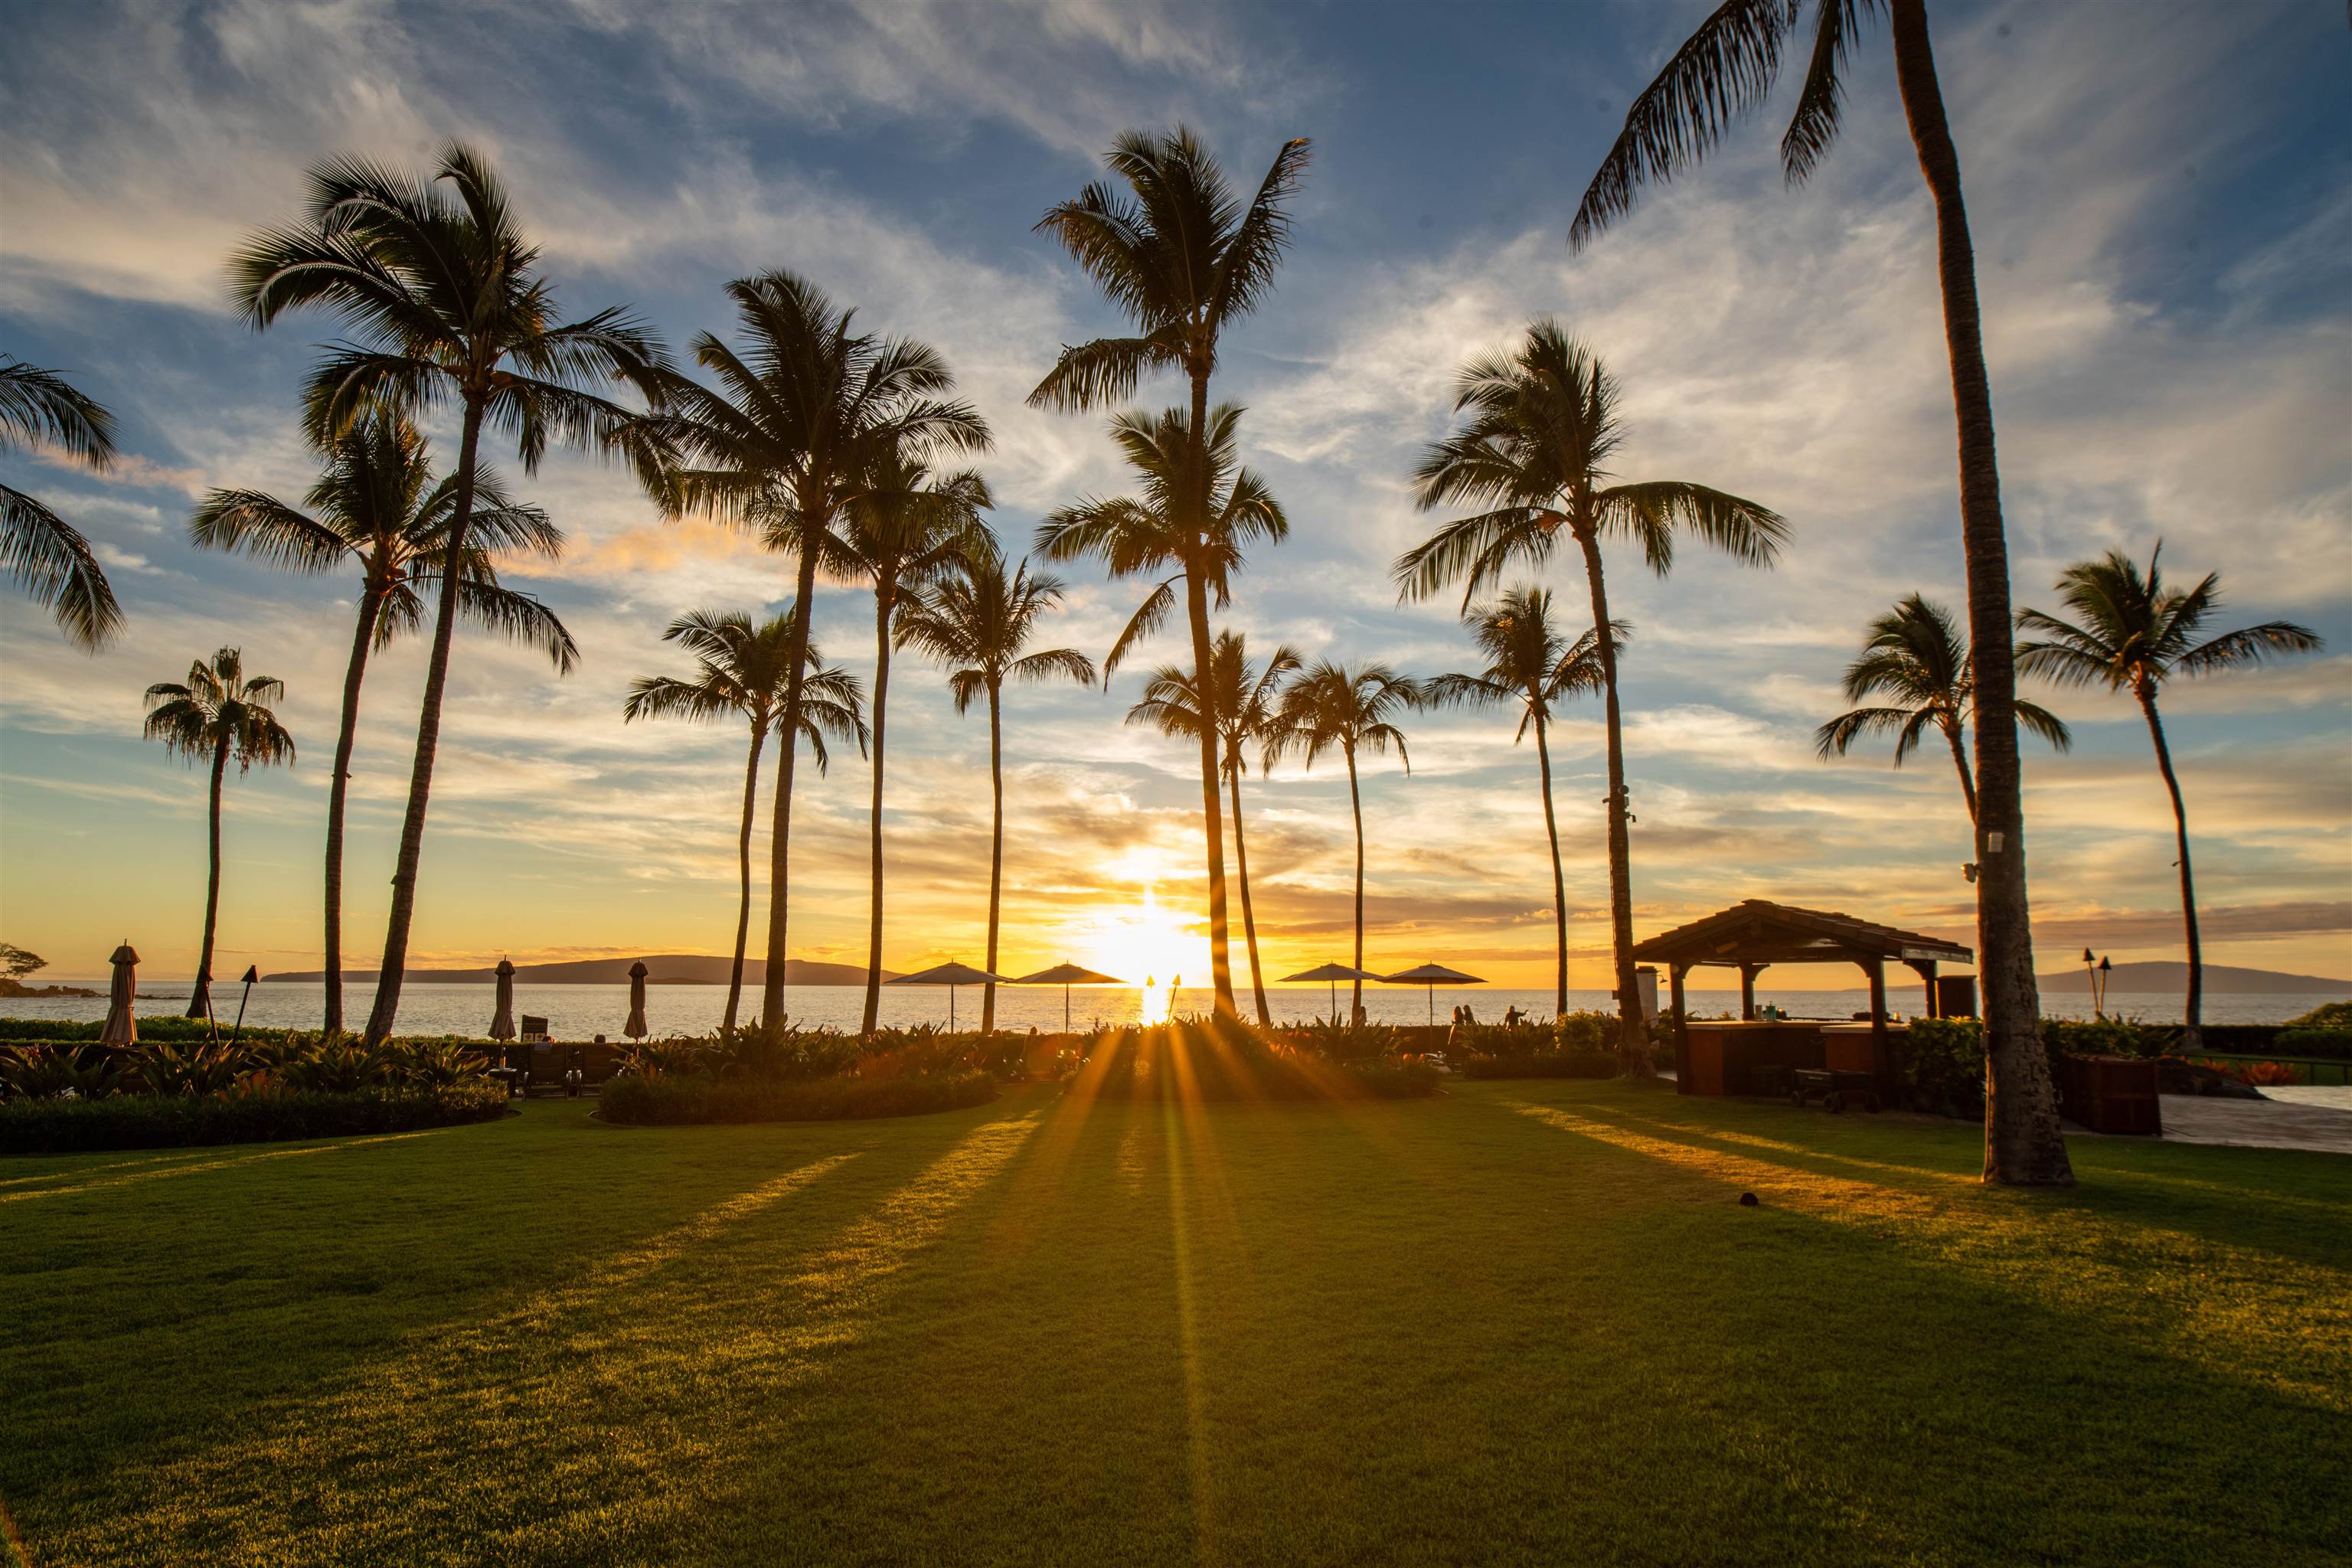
(2287, 1118)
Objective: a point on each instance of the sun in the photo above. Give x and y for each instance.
(1145, 946)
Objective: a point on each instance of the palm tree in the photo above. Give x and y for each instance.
(904, 531)
(1725, 69)
(1328, 705)
(46, 555)
(2132, 631)
(1181, 256)
(441, 291)
(1535, 451)
(221, 712)
(1914, 655)
(1529, 665)
(376, 505)
(1246, 702)
(808, 417)
(745, 670)
(977, 621)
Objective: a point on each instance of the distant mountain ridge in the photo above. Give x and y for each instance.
(2169, 975)
(664, 969)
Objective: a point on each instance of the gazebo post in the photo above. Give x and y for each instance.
(1675, 972)
(1876, 969)
(1925, 969)
(1748, 991)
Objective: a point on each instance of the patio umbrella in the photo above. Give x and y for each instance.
(1066, 976)
(122, 1027)
(951, 974)
(1334, 973)
(502, 1016)
(1430, 977)
(635, 1027)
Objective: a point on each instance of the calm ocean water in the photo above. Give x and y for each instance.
(580, 1011)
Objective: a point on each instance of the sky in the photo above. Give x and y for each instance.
(2161, 200)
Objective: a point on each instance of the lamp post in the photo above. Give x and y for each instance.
(2100, 997)
(2091, 972)
(252, 974)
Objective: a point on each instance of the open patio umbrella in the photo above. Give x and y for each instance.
(635, 1027)
(1334, 973)
(122, 1027)
(951, 974)
(1066, 976)
(502, 1016)
(1430, 976)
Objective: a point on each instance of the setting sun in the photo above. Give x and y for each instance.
(1147, 946)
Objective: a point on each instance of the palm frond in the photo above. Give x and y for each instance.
(54, 563)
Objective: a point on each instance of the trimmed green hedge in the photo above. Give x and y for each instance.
(1547, 1064)
(175, 1120)
(671, 1099)
(1225, 1059)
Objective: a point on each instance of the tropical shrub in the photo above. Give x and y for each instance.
(57, 1126)
(2326, 1016)
(68, 1071)
(2258, 1074)
(189, 1067)
(1942, 1066)
(1586, 1031)
(671, 1099)
(1341, 1042)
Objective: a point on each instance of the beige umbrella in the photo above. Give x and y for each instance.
(122, 1027)
(635, 1027)
(1430, 976)
(1334, 973)
(503, 1025)
(1066, 976)
(951, 974)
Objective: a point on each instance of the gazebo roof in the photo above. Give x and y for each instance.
(1757, 931)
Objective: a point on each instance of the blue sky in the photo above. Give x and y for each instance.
(2162, 203)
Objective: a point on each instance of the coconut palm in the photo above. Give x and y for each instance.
(377, 506)
(978, 620)
(808, 416)
(2132, 631)
(1542, 424)
(221, 712)
(1725, 69)
(1914, 655)
(47, 556)
(904, 532)
(743, 669)
(440, 289)
(1328, 706)
(1528, 664)
(1247, 702)
(1183, 257)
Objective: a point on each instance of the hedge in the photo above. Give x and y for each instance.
(169, 1121)
(1549, 1064)
(671, 1099)
(66, 1031)
(2322, 1042)
(1225, 1059)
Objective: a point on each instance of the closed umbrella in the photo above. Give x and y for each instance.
(635, 1027)
(951, 974)
(1334, 973)
(503, 1025)
(1066, 976)
(1430, 977)
(122, 1027)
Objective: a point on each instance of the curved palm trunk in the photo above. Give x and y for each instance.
(1961, 761)
(771, 989)
(1356, 804)
(2192, 1033)
(338, 787)
(200, 1000)
(1559, 883)
(1249, 916)
(1633, 1031)
(1196, 607)
(995, 851)
(394, 966)
(743, 867)
(885, 598)
(2022, 1139)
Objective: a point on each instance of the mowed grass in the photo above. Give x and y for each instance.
(1524, 1323)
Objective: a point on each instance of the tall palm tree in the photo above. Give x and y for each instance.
(978, 620)
(1529, 665)
(1914, 655)
(220, 712)
(904, 532)
(2134, 632)
(1247, 702)
(45, 555)
(1724, 70)
(744, 669)
(1329, 706)
(441, 292)
(807, 417)
(1534, 451)
(376, 505)
(1181, 257)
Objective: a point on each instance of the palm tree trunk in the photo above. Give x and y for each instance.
(996, 850)
(338, 787)
(428, 746)
(1961, 761)
(2192, 1032)
(1633, 1029)
(743, 867)
(1249, 916)
(885, 598)
(1196, 605)
(2022, 1141)
(1356, 804)
(771, 991)
(1559, 884)
(200, 1000)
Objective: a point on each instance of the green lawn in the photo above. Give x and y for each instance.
(1527, 1321)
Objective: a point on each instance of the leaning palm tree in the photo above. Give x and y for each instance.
(1529, 665)
(744, 669)
(1329, 706)
(441, 291)
(1915, 656)
(1725, 69)
(807, 417)
(978, 620)
(904, 531)
(2133, 632)
(45, 555)
(221, 712)
(1181, 256)
(1534, 452)
(1247, 702)
(377, 506)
